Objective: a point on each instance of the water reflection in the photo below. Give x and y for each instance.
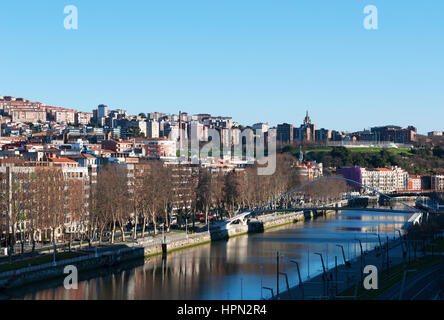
(222, 270)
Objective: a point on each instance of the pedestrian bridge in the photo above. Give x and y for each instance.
(272, 206)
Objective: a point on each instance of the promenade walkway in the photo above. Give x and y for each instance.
(338, 280)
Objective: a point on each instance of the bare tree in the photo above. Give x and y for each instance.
(231, 191)
(50, 200)
(167, 189)
(206, 192)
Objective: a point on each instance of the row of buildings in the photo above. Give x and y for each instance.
(392, 179)
(161, 135)
(23, 110)
(80, 162)
(307, 132)
(435, 134)
(17, 113)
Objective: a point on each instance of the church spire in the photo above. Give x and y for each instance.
(307, 119)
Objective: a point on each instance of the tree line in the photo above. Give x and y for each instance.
(43, 205)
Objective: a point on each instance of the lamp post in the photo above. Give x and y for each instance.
(343, 254)
(404, 253)
(324, 275)
(323, 265)
(301, 285)
(362, 257)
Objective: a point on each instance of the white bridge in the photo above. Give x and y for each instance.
(238, 220)
(415, 219)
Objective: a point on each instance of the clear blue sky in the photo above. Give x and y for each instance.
(252, 60)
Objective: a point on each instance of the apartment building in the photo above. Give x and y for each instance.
(18, 189)
(28, 115)
(437, 181)
(415, 182)
(118, 145)
(285, 133)
(159, 148)
(384, 180)
(264, 127)
(61, 115)
(83, 118)
(394, 133)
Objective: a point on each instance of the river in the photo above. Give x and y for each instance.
(234, 269)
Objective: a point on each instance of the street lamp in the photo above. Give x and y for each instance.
(343, 255)
(301, 285)
(362, 256)
(404, 253)
(324, 275)
(322, 261)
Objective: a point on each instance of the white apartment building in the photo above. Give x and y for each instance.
(198, 131)
(438, 181)
(415, 182)
(385, 179)
(264, 127)
(159, 148)
(152, 129)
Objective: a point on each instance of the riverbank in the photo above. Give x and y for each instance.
(90, 259)
(55, 269)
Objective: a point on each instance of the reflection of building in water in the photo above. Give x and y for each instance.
(385, 223)
(237, 250)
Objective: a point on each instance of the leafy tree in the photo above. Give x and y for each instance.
(340, 152)
(358, 159)
(134, 132)
(438, 152)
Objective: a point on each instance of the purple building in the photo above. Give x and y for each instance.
(353, 173)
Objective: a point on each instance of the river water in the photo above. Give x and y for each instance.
(235, 269)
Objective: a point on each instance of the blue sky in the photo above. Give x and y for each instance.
(252, 60)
